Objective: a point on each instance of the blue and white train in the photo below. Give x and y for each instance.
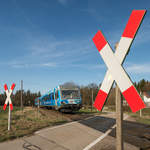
(61, 98)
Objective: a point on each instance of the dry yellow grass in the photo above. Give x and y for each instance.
(26, 122)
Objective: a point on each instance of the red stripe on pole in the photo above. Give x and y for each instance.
(4, 106)
(13, 86)
(11, 106)
(5, 87)
(133, 23)
(134, 100)
(99, 40)
(100, 99)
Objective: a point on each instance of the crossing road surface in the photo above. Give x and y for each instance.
(95, 133)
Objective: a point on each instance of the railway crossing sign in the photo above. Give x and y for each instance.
(114, 63)
(8, 94)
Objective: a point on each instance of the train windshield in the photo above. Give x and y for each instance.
(70, 94)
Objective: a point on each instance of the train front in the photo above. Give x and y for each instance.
(70, 98)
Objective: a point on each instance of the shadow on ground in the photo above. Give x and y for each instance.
(134, 133)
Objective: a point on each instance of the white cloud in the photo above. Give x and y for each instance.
(51, 52)
(20, 65)
(87, 66)
(62, 51)
(98, 66)
(139, 68)
(25, 64)
(49, 64)
(48, 49)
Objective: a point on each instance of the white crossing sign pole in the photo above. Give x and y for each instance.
(9, 118)
(8, 100)
(119, 117)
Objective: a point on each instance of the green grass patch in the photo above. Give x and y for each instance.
(143, 120)
(89, 111)
(26, 122)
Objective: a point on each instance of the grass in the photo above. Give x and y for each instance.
(31, 120)
(26, 122)
(89, 111)
(145, 119)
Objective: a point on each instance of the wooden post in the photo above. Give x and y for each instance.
(119, 120)
(38, 107)
(141, 109)
(21, 95)
(92, 101)
(140, 112)
(119, 117)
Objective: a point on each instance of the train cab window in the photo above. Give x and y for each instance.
(46, 98)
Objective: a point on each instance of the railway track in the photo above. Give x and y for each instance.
(70, 116)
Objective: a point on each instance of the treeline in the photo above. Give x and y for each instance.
(88, 94)
(143, 86)
(27, 96)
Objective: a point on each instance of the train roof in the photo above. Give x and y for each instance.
(68, 87)
(62, 87)
(44, 95)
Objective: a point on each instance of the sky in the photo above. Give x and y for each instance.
(46, 43)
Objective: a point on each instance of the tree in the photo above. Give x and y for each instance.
(86, 93)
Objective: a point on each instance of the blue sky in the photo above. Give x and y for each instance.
(49, 42)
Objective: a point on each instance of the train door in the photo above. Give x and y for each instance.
(52, 100)
(56, 98)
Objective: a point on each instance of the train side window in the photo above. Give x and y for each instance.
(46, 98)
(52, 96)
(56, 94)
